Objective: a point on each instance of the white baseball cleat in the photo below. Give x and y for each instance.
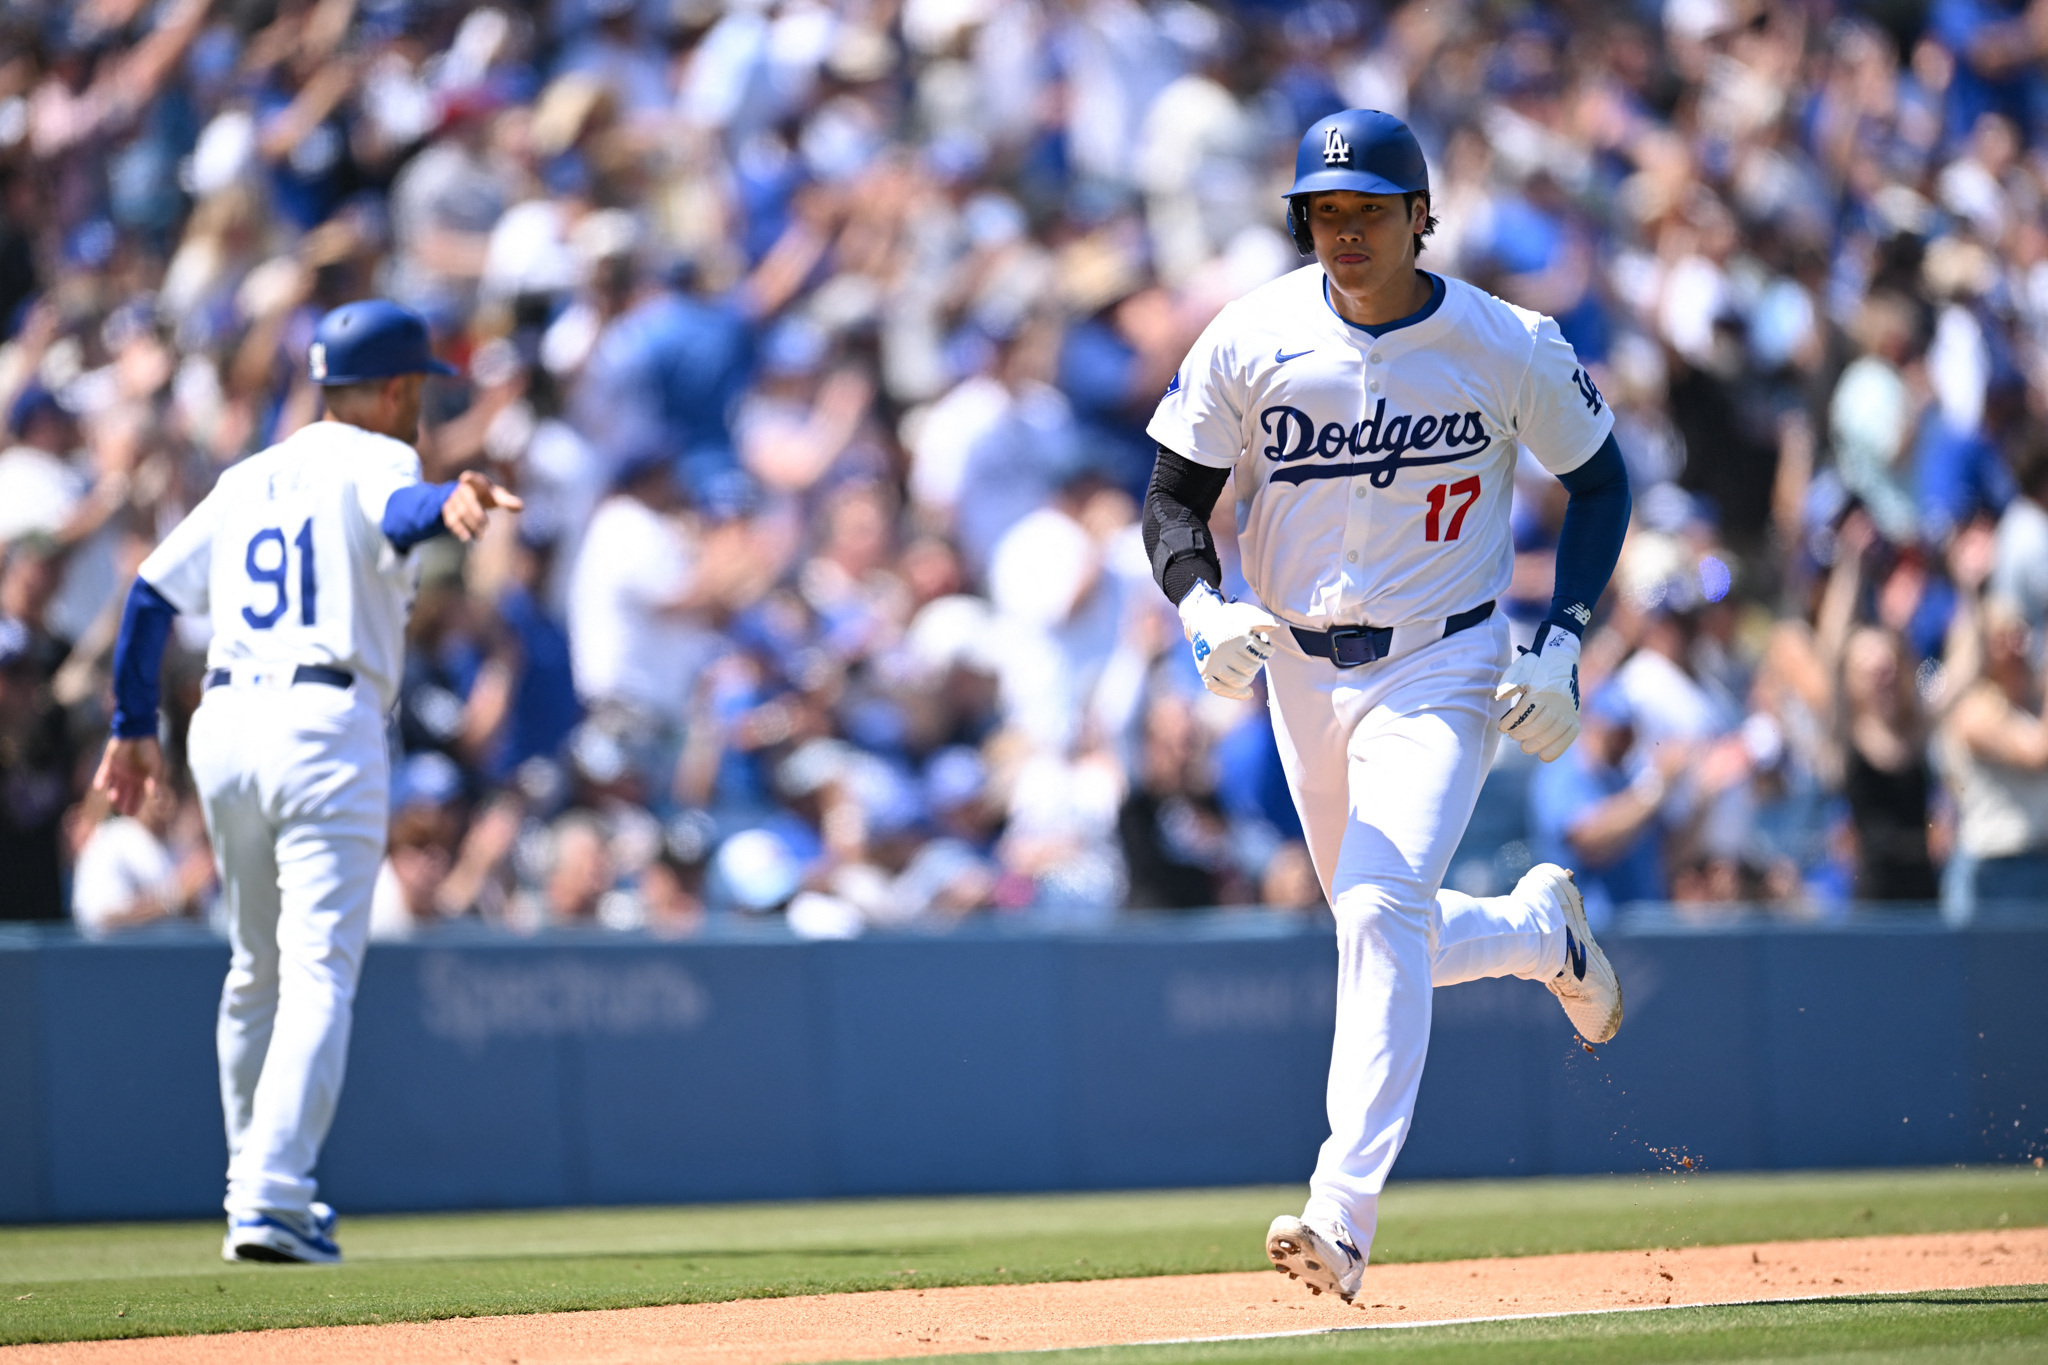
(1323, 1259)
(1587, 986)
(271, 1238)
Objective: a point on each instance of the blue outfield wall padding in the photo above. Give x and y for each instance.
(2007, 1065)
(130, 1122)
(24, 1182)
(1198, 1064)
(963, 1042)
(487, 1073)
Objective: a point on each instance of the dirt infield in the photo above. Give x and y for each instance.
(1101, 1312)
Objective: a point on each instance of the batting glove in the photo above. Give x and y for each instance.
(1542, 685)
(1232, 640)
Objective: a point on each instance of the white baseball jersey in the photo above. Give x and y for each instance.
(1374, 475)
(288, 556)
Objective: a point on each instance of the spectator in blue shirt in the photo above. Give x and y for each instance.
(542, 708)
(1961, 473)
(1249, 779)
(666, 373)
(623, 59)
(1587, 813)
(1998, 46)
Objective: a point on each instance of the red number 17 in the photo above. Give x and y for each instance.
(1468, 489)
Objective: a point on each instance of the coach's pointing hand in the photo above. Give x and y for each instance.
(466, 511)
(1232, 640)
(1544, 684)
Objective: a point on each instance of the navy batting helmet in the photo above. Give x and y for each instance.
(1357, 149)
(371, 339)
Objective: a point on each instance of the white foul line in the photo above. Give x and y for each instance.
(1456, 1322)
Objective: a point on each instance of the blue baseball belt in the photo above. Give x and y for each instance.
(304, 673)
(1352, 646)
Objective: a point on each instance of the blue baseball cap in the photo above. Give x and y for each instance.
(425, 779)
(1610, 706)
(1363, 150)
(33, 402)
(371, 339)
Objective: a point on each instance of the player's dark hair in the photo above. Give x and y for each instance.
(343, 399)
(1297, 221)
(344, 394)
(1428, 220)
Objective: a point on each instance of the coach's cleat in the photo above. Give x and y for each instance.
(279, 1241)
(1587, 986)
(1321, 1258)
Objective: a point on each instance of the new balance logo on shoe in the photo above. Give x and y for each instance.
(1575, 955)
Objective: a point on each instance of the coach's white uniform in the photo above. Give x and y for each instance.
(289, 557)
(1373, 479)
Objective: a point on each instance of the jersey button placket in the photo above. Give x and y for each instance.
(1358, 523)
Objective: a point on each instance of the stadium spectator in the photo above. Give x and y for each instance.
(134, 871)
(636, 604)
(820, 339)
(1883, 761)
(36, 777)
(1887, 778)
(2019, 572)
(1606, 824)
(579, 871)
(1176, 839)
(1997, 754)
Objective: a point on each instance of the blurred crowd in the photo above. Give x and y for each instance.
(820, 339)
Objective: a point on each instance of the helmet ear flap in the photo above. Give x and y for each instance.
(1297, 225)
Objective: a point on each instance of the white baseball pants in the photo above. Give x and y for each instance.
(295, 784)
(1385, 762)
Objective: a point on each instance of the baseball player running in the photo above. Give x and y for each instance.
(300, 557)
(1371, 413)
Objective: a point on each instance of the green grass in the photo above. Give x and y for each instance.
(75, 1282)
(1943, 1327)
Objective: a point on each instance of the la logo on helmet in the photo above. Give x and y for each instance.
(1336, 151)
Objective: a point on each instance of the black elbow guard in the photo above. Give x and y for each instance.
(1176, 518)
(1177, 540)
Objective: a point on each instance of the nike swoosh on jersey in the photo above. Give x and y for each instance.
(1281, 357)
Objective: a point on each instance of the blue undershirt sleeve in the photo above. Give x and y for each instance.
(413, 514)
(1595, 523)
(139, 659)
